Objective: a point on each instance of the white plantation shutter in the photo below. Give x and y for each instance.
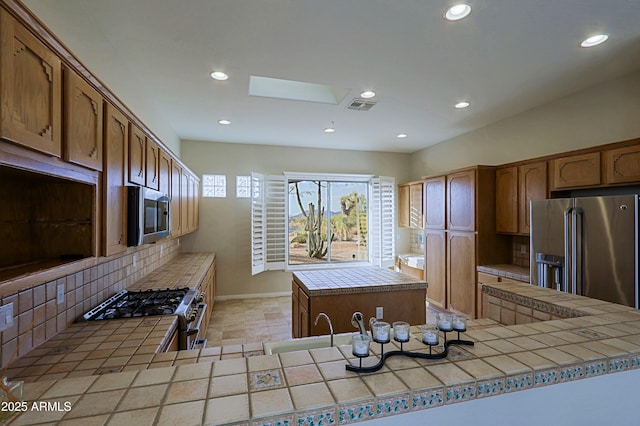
(268, 222)
(382, 250)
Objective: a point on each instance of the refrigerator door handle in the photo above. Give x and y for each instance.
(577, 247)
(564, 285)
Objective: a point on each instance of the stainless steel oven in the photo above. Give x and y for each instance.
(188, 304)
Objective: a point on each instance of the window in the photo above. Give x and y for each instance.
(243, 186)
(311, 220)
(214, 186)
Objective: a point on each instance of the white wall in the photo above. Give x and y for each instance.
(225, 223)
(605, 113)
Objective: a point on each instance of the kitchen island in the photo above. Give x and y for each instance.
(341, 292)
(560, 343)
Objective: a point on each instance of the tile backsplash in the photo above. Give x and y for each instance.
(520, 250)
(37, 315)
(417, 240)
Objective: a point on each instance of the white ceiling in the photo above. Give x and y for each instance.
(507, 57)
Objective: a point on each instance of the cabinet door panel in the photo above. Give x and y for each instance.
(152, 163)
(623, 165)
(403, 206)
(435, 243)
(31, 90)
(434, 203)
(415, 206)
(461, 201)
(576, 171)
(114, 193)
(461, 273)
(176, 199)
(164, 174)
(83, 123)
(507, 200)
(137, 151)
(533, 186)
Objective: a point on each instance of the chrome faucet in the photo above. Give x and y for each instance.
(357, 320)
(322, 314)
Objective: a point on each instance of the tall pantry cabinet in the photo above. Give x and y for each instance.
(460, 235)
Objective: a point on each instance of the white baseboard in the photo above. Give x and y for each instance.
(253, 296)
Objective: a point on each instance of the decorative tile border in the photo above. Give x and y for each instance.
(545, 377)
(460, 393)
(567, 374)
(277, 421)
(427, 399)
(596, 368)
(619, 364)
(321, 417)
(491, 387)
(357, 412)
(518, 382)
(393, 405)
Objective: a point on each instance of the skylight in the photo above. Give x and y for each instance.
(295, 90)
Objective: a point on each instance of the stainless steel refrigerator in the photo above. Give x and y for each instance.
(587, 246)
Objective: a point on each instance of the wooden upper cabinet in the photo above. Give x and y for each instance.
(404, 214)
(415, 205)
(82, 123)
(185, 193)
(176, 198)
(532, 180)
(622, 165)
(31, 90)
(461, 204)
(194, 186)
(576, 171)
(164, 184)
(114, 206)
(137, 152)
(507, 200)
(152, 164)
(434, 202)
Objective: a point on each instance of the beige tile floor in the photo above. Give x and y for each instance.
(242, 321)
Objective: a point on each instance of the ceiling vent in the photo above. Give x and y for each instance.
(361, 104)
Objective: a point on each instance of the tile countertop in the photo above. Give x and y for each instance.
(99, 347)
(515, 272)
(312, 386)
(365, 279)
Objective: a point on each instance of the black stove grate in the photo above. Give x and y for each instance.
(130, 304)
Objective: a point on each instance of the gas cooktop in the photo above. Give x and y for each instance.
(129, 304)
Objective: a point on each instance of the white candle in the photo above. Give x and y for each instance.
(360, 344)
(459, 325)
(444, 325)
(382, 334)
(402, 334)
(430, 337)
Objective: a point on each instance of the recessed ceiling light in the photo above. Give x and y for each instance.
(457, 12)
(594, 40)
(224, 122)
(367, 94)
(329, 130)
(461, 105)
(219, 75)
(402, 135)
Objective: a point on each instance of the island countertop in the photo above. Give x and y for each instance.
(371, 279)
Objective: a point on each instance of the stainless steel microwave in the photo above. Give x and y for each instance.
(148, 216)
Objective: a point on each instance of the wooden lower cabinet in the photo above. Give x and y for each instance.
(208, 289)
(435, 244)
(482, 307)
(402, 305)
(461, 273)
